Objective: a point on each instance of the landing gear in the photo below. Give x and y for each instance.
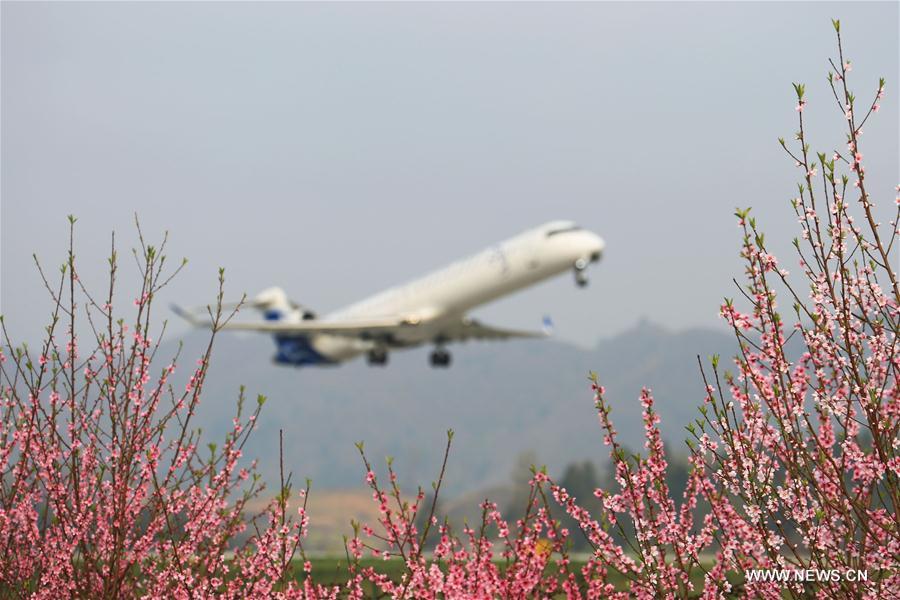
(377, 357)
(439, 358)
(581, 278)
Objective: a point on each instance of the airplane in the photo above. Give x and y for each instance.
(429, 310)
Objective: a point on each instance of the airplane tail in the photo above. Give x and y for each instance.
(275, 305)
(272, 302)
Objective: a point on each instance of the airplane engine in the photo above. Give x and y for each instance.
(298, 350)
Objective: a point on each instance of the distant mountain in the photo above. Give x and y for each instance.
(501, 399)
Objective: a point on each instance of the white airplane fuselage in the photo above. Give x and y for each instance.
(442, 298)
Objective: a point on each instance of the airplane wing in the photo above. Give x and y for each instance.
(361, 328)
(458, 331)
(470, 329)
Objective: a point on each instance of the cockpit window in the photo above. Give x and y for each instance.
(565, 229)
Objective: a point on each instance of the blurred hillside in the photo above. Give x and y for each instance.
(502, 399)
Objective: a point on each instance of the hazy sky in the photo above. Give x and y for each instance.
(337, 149)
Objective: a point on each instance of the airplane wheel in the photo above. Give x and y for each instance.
(440, 358)
(581, 278)
(377, 358)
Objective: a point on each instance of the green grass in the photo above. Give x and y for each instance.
(333, 570)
